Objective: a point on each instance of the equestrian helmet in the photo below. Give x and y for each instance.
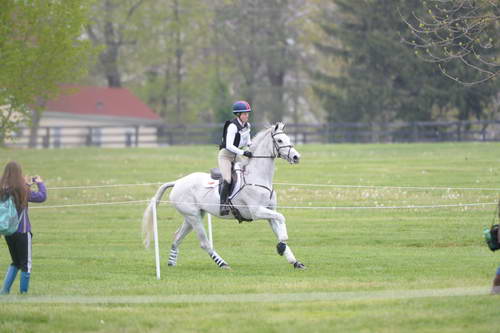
(241, 106)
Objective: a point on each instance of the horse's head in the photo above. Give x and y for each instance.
(282, 144)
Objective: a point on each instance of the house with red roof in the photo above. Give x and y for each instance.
(98, 116)
(87, 105)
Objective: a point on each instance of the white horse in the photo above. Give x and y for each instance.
(255, 200)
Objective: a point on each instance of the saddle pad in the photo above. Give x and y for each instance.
(210, 183)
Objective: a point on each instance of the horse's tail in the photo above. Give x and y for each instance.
(147, 219)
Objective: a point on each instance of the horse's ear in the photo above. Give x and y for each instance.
(276, 127)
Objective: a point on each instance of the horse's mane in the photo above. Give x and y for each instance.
(261, 135)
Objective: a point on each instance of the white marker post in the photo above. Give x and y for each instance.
(210, 239)
(155, 234)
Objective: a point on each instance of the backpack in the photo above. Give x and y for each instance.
(9, 221)
(491, 237)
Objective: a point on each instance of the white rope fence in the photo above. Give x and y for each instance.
(423, 188)
(91, 204)
(210, 235)
(378, 206)
(99, 186)
(280, 207)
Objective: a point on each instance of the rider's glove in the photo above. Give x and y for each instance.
(248, 154)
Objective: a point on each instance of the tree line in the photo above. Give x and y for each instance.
(293, 60)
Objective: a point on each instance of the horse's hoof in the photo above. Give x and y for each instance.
(171, 264)
(299, 265)
(226, 266)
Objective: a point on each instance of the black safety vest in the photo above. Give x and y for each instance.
(237, 137)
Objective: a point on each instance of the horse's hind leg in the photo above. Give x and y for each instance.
(179, 235)
(197, 224)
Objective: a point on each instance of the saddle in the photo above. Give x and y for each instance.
(215, 174)
(237, 183)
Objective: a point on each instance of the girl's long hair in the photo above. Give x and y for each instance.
(13, 183)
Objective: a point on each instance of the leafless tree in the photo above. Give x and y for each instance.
(464, 31)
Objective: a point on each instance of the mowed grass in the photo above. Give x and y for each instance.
(369, 268)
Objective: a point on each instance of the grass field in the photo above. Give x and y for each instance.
(371, 269)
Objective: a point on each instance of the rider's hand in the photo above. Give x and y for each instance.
(248, 154)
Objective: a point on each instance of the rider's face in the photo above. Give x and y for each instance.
(244, 116)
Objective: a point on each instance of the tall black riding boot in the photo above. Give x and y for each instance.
(224, 194)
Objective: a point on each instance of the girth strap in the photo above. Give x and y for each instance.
(235, 210)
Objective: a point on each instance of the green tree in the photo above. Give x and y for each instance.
(113, 27)
(41, 46)
(378, 78)
(261, 36)
(181, 57)
(221, 104)
(173, 67)
(221, 100)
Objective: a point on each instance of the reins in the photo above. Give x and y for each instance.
(276, 153)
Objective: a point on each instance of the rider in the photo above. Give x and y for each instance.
(236, 135)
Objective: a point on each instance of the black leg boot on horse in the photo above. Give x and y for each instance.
(224, 194)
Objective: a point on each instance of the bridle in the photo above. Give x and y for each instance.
(276, 153)
(277, 148)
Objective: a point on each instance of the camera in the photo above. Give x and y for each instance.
(33, 179)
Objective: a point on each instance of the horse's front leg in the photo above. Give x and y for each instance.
(278, 225)
(283, 248)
